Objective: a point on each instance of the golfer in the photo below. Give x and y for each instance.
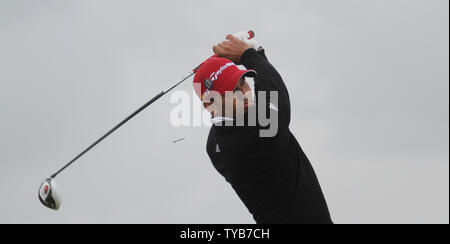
(265, 165)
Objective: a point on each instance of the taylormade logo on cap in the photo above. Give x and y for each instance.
(209, 83)
(214, 75)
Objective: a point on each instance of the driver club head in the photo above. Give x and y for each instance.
(49, 194)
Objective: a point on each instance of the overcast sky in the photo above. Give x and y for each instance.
(368, 82)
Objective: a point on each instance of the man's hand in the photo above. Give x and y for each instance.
(231, 49)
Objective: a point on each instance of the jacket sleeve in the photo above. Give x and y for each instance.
(268, 79)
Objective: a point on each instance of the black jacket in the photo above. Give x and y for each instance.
(272, 176)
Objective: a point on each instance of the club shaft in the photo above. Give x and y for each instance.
(123, 122)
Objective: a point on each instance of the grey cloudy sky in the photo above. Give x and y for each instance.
(368, 82)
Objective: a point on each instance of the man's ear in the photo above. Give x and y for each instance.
(213, 103)
(210, 107)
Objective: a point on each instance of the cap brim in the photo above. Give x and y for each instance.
(233, 80)
(245, 73)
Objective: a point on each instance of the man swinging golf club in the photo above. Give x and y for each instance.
(263, 161)
(269, 172)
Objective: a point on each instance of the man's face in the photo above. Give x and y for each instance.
(239, 100)
(242, 97)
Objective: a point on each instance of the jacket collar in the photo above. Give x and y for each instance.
(220, 120)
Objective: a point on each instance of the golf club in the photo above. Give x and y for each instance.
(48, 191)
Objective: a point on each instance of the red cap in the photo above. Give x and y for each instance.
(218, 74)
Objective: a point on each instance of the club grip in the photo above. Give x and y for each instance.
(247, 35)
